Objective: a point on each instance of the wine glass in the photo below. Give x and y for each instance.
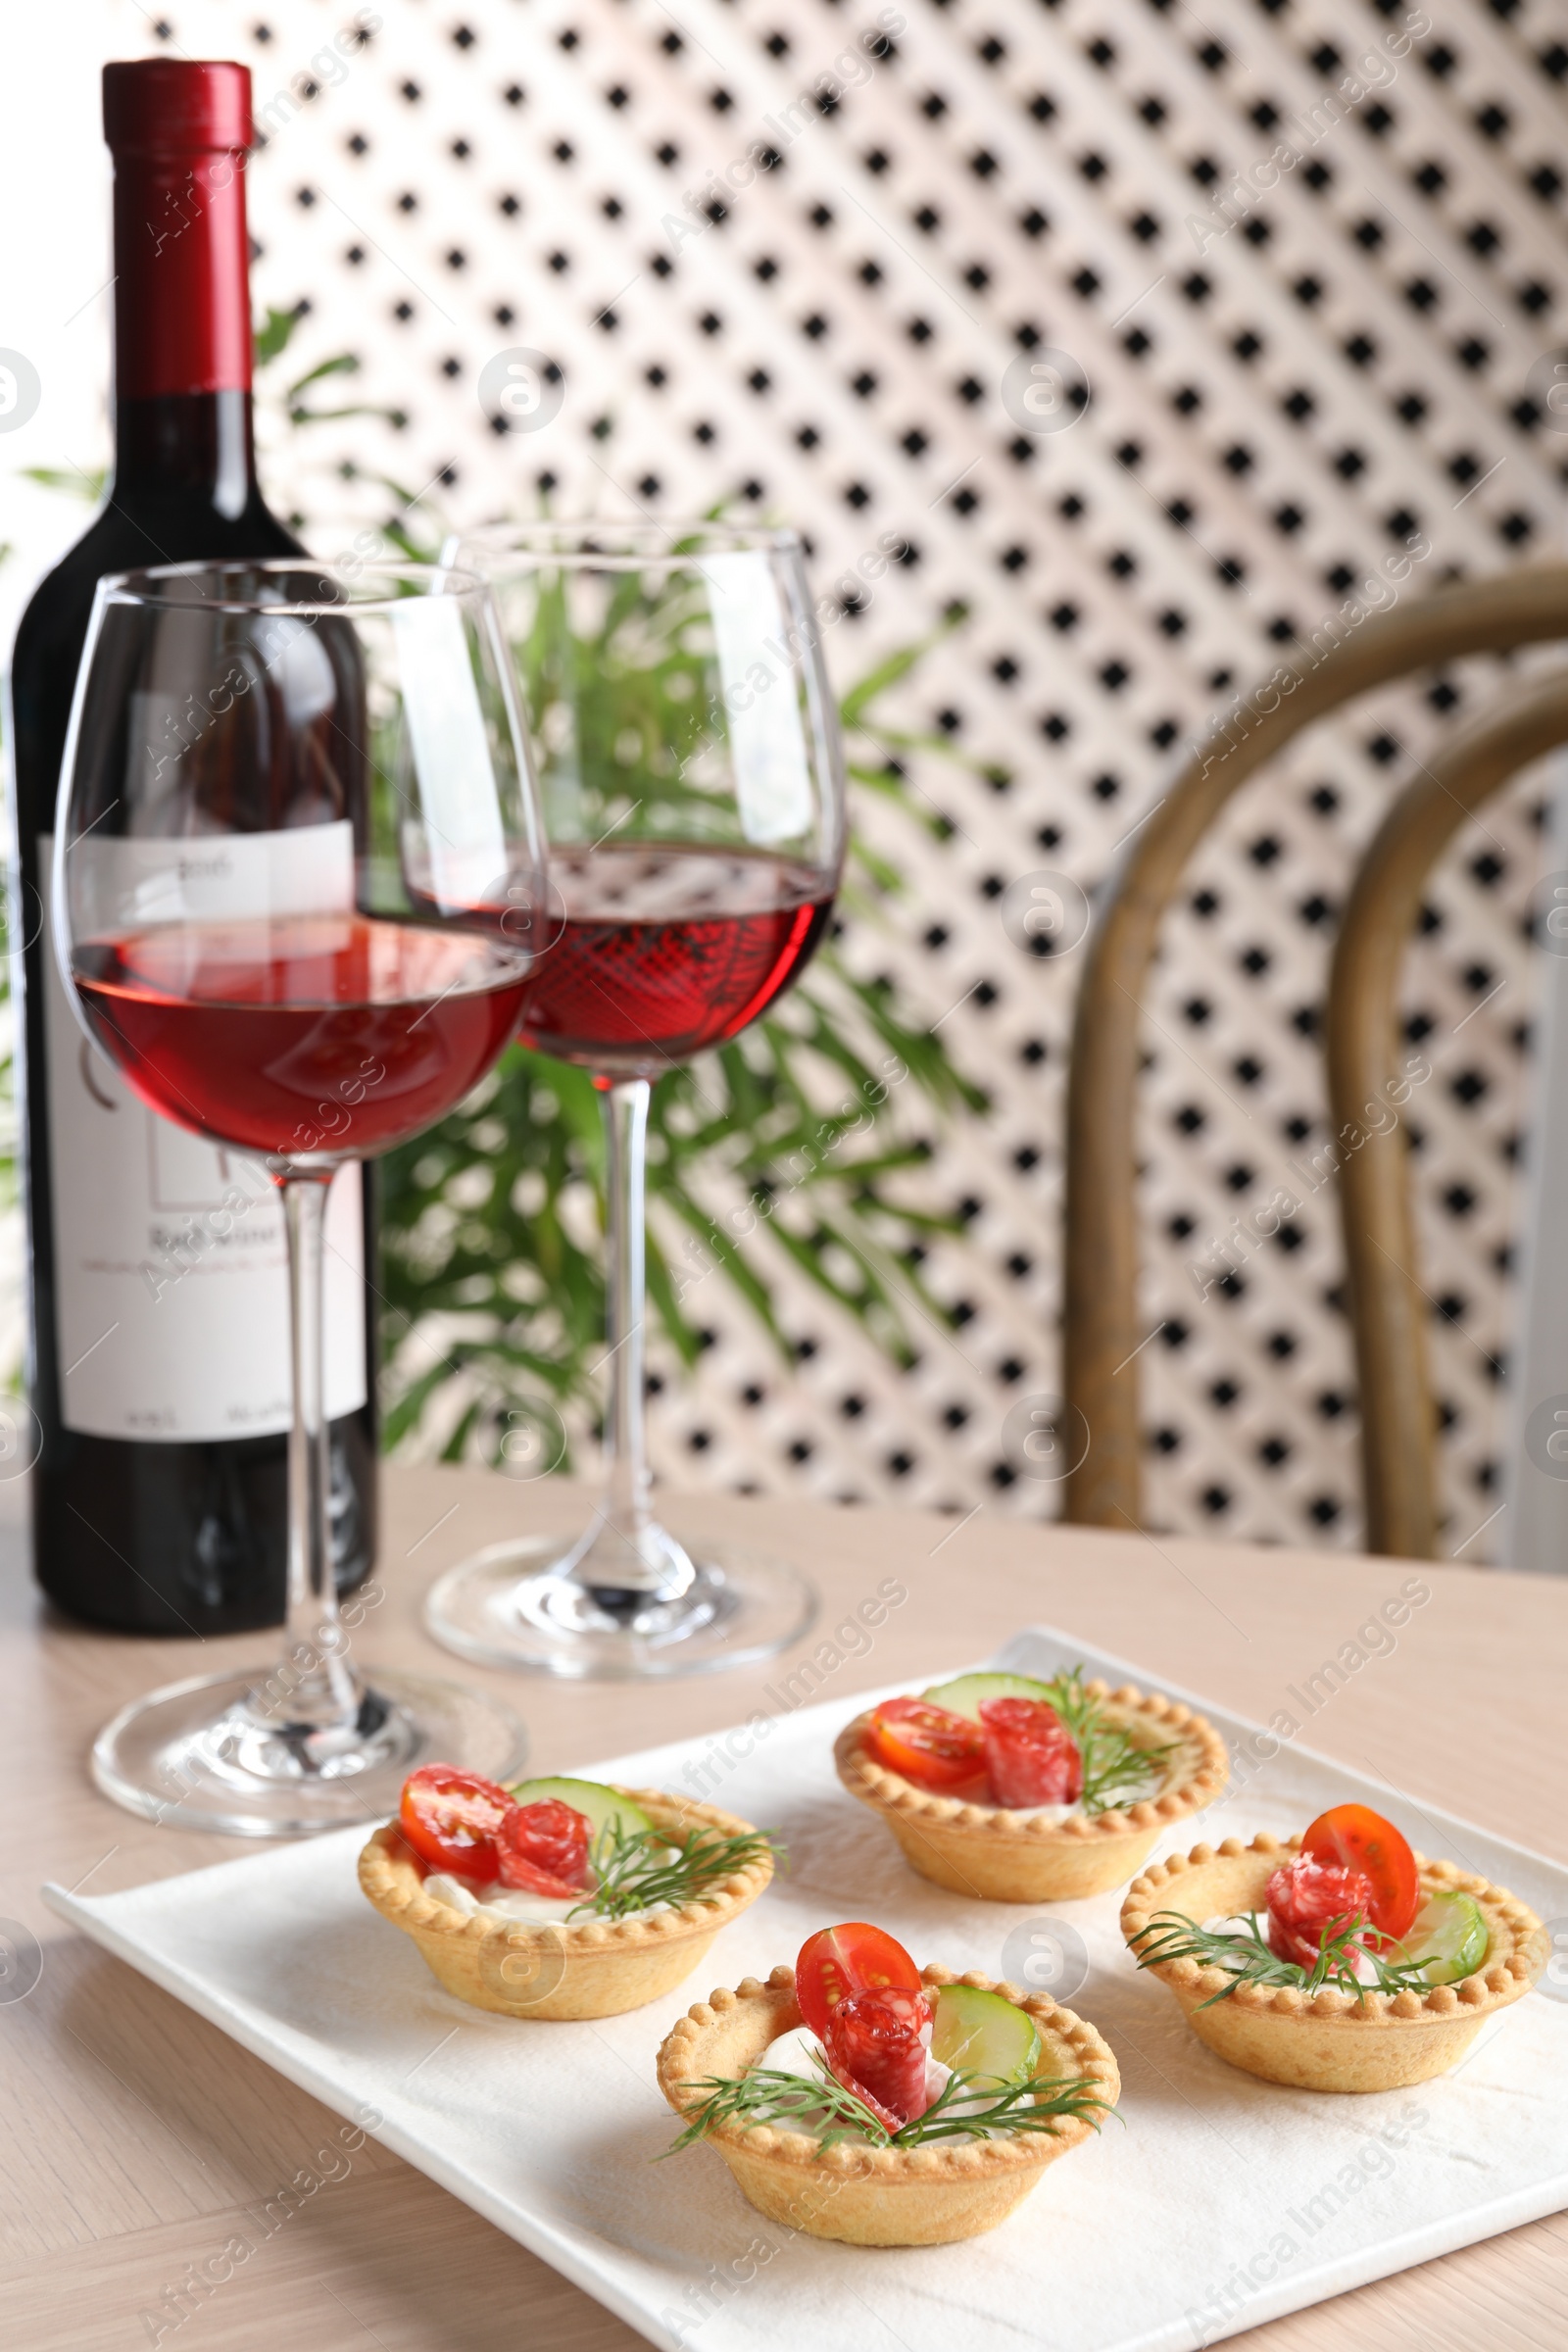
(283, 789)
(689, 766)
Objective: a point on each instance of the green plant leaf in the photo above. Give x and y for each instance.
(892, 671)
(273, 337)
(76, 481)
(345, 364)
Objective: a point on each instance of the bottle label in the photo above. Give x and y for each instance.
(170, 1258)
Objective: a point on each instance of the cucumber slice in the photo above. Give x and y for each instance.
(963, 1696)
(1448, 1938)
(599, 1805)
(981, 2032)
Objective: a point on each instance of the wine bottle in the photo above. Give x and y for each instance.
(159, 1368)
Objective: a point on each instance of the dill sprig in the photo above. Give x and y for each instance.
(637, 1868)
(1244, 1953)
(962, 2110)
(768, 2095)
(1115, 1768)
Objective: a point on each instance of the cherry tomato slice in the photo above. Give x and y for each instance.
(544, 1848)
(854, 1958)
(1305, 1898)
(876, 2046)
(451, 1818)
(929, 1745)
(1031, 1756)
(1361, 1840)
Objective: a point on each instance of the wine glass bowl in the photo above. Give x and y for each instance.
(283, 791)
(691, 783)
(298, 1037)
(662, 951)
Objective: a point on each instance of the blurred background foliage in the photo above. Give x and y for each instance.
(784, 1148)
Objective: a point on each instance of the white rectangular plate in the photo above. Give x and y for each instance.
(1218, 2203)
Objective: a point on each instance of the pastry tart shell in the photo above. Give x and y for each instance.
(1002, 1856)
(562, 1969)
(864, 2195)
(1331, 2041)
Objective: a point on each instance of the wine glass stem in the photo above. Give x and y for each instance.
(625, 1440)
(320, 1688)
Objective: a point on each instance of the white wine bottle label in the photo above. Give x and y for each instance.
(171, 1259)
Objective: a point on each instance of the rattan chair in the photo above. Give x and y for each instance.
(1101, 1327)
(1389, 1309)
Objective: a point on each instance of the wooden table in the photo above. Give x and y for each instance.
(134, 2133)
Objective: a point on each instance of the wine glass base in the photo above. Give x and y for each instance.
(517, 1604)
(196, 1755)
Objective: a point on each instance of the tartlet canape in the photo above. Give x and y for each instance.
(559, 1898)
(1362, 1980)
(1021, 1791)
(978, 2088)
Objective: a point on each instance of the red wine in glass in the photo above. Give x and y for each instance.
(306, 1033)
(665, 950)
(692, 781)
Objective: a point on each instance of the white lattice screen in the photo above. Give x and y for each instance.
(1271, 420)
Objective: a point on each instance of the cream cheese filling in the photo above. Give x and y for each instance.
(495, 1901)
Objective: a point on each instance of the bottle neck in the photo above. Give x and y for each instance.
(186, 445)
(182, 275)
(182, 332)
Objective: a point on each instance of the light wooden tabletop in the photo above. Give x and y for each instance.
(132, 2133)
